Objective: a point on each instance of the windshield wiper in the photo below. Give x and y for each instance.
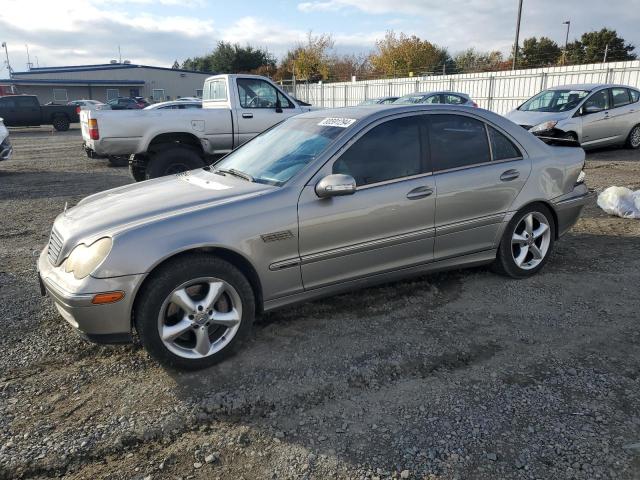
(236, 173)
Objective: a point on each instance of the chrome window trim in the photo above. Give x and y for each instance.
(475, 165)
(393, 180)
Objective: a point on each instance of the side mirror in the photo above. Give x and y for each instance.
(336, 185)
(587, 109)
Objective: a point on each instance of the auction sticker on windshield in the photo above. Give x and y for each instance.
(337, 122)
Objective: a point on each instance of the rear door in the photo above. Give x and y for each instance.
(261, 106)
(478, 172)
(387, 223)
(623, 113)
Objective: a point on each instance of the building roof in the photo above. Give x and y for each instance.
(102, 66)
(47, 81)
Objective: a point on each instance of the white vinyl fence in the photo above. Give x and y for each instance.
(498, 91)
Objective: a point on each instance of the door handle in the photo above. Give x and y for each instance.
(509, 175)
(420, 192)
(247, 115)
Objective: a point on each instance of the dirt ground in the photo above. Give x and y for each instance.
(460, 375)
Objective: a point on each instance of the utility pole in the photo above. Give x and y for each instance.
(119, 55)
(6, 52)
(566, 41)
(29, 64)
(606, 50)
(515, 45)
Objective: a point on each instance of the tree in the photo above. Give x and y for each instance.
(592, 45)
(472, 60)
(539, 53)
(399, 55)
(231, 58)
(342, 67)
(175, 65)
(308, 61)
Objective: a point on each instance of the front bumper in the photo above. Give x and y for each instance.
(106, 323)
(568, 207)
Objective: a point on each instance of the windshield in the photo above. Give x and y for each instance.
(276, 155)
(554, 101)
(371, 101)
(414, 99)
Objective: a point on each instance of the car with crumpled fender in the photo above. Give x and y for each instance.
(325, 202)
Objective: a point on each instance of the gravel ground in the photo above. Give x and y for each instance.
(451, 376)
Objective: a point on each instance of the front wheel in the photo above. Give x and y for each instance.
(195, 312)
(526, 243)
(61, 124)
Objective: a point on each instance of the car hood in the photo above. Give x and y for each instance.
(123, 208)
(534, 118)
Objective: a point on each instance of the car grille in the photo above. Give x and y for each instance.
(55, 245)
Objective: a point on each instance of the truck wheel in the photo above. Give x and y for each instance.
(139, 173)
(173, 160)
(61, 124)
(118, 160)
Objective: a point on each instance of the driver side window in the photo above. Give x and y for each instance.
(597, 102)
(255, 93)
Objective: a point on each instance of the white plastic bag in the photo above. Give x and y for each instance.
(620, 201)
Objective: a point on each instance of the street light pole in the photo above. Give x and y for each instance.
(566, 41)
(515, 45)
(6, 52)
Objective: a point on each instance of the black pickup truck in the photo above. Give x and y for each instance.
(26, 111)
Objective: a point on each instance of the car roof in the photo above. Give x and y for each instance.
(588, 86)
(372, 112)
(439, 92)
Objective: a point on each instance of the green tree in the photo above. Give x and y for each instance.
(399, 55)
(309, 61)
(595, 43)
(175, 65)
(231, 58)
(472, 60)
(539, 53)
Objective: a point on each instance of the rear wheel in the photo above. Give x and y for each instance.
(173, 160)
(195, 312)
(633, 141)
(61, 124)
(526, 243)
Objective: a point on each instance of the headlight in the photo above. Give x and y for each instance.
(544, 126)
(83, 260)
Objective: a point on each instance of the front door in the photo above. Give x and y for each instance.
(261, 106)
(597, 123)
(479, 172)
(386, 224)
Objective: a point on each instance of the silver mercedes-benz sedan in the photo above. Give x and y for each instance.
(595, 115)
(325, 202)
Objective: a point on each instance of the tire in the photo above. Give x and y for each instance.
(633, 140)
(137, 172)
(61, 124)
(512, 259)
(162, 305)
(173, 160)
(118, 160)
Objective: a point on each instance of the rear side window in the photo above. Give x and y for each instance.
(635, 95)
(453, 99)
(215, 90)
(26, 102)
(388, 151)
(501, 147)
(7, 102)
(620, 97)
(457, 141)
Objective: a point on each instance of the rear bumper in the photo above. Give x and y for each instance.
(568, 207)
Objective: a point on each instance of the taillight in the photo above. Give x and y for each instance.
(78, 110)
(94, 133)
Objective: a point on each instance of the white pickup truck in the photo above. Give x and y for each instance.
(235, 108)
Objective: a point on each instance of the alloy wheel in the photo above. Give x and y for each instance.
(530, 240)
(200, 317)
(634, 139)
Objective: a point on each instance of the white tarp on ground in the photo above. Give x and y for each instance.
(620, 201)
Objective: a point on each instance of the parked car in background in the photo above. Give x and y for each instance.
(26, 111)
(125, 103)
(189, 260)
(449, 98)
(595, 115)
(379, 101)
(142, 101)
(89, 105)
(189, 99)
(235, 108)
(175, 105)
(5, 144)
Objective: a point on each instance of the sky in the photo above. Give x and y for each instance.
(157, 32)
